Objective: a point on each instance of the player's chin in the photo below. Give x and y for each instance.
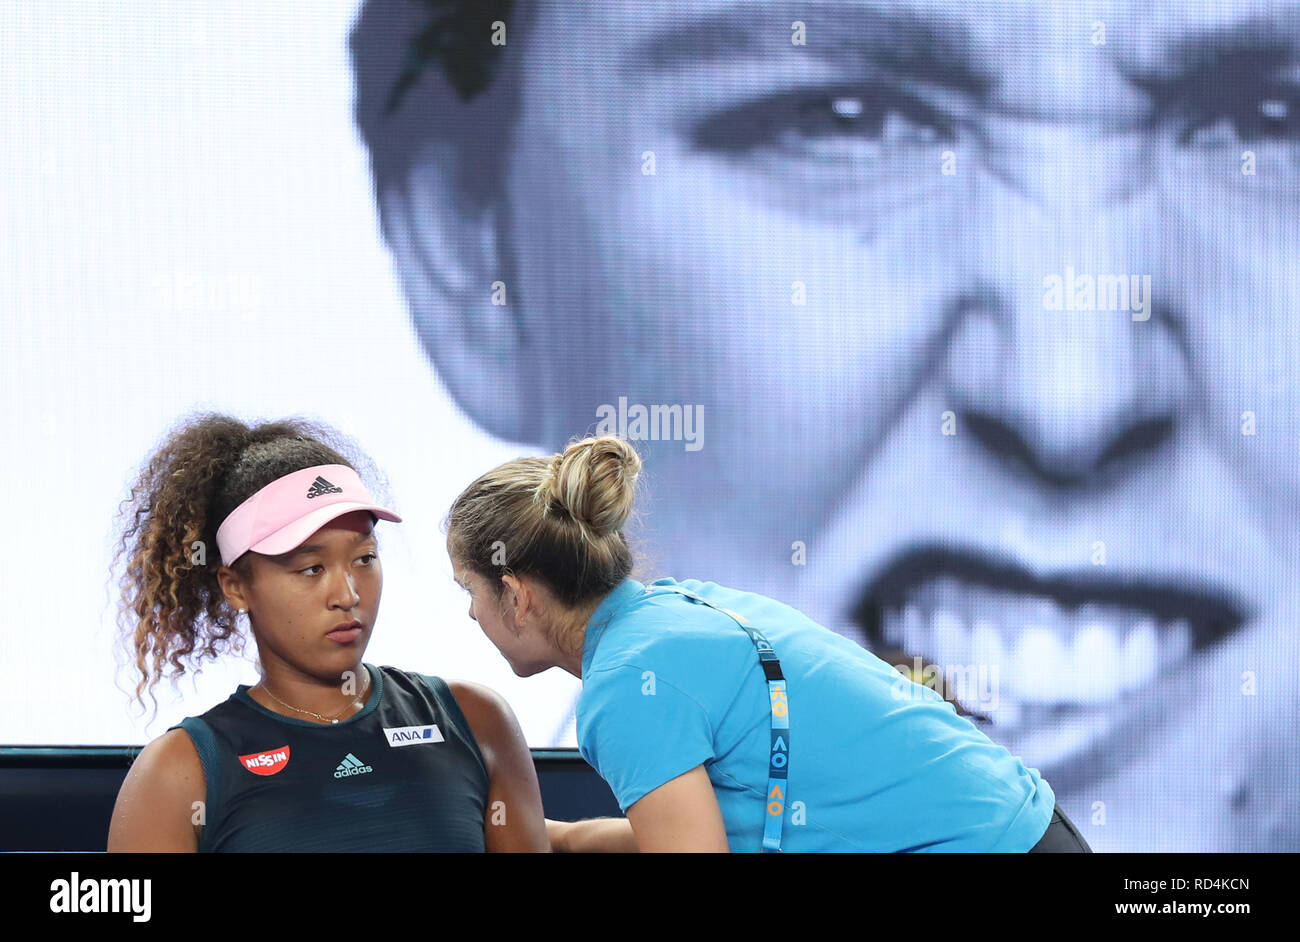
(527, 669)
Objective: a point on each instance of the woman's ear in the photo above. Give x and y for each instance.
(232, 587)
(441, 161)
(515, 599)
(453, 267)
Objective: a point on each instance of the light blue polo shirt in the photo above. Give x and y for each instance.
(668, 684)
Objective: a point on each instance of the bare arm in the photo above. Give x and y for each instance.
(680, 815)
(514, 820)
(160, 805)
(593, 836)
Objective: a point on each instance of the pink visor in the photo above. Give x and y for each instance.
(283, 514)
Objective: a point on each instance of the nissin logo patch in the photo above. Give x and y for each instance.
(266, 763)
(411, 735)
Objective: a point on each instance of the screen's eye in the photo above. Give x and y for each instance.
(826, 122)
(1273, 117)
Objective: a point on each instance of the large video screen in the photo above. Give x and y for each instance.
(969, 328)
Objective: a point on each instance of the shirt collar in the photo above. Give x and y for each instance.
(611, 605)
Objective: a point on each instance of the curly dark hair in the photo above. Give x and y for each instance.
(173, 613)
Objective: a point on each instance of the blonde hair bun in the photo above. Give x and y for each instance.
(594, 482)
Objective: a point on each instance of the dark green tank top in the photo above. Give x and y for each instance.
(404, 774)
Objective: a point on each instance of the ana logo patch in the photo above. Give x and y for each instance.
(411, 735)
(266, 763)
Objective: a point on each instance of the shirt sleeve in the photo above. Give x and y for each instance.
(642, 731)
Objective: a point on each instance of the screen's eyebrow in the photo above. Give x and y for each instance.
(934, 50)
(1251, 47)
(1220, 76)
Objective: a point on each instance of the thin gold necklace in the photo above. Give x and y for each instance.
(332, 717)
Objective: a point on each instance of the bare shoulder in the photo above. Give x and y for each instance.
(157, 804)
(171, 759)
(490, 718)
(471, 696)
(485, 710)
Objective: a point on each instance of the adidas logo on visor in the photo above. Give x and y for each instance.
(320, 487)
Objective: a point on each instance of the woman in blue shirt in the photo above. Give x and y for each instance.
(722, 720)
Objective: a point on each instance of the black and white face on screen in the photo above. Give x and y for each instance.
(966, 327)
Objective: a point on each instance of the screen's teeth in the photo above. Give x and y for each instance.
(951, 640)
(1039, 663)
(1053, 657)
(1095, 664)
(906, 629)
(1140, 658)
(986, 644)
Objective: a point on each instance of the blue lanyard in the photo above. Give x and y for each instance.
(778, 765)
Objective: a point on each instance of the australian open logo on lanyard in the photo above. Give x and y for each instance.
(778, 757)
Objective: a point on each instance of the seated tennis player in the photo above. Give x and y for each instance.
(325, 752)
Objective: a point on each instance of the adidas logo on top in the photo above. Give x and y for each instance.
(351, 765)
(321, 487)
